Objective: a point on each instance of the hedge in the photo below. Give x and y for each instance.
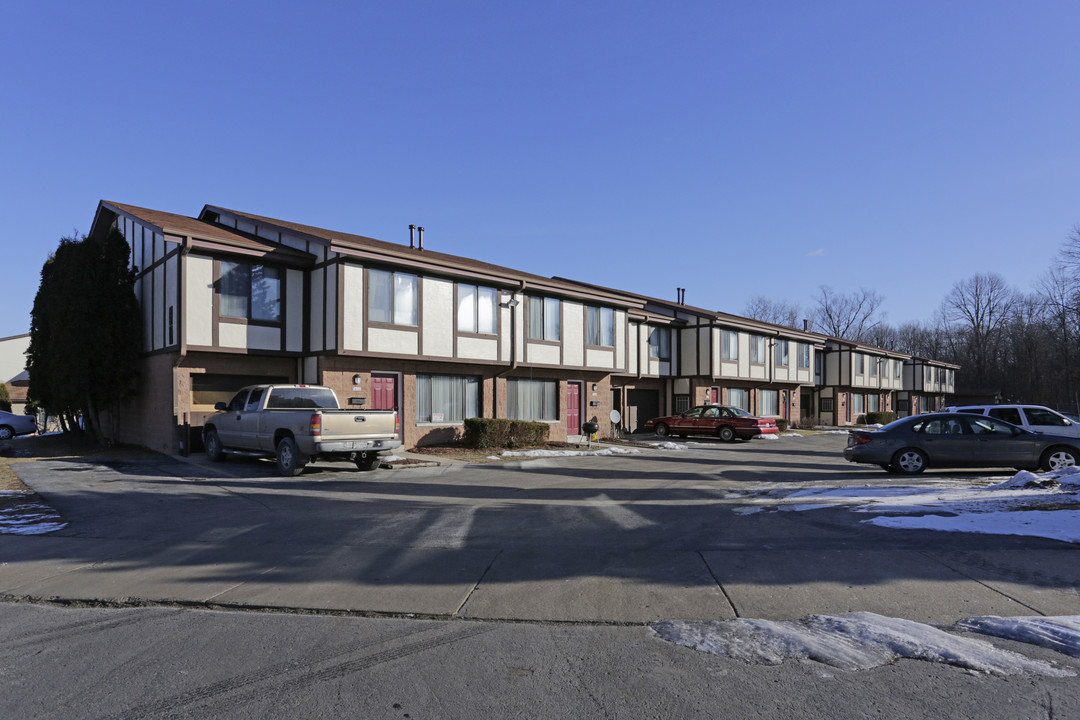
(491, 433)
(883, 417)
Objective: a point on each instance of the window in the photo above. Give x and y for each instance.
(1039, 416)
(828, 404)
(544, 319)
(392, 297)
(740, 398)
(804, 355)
(250, 292)
(926, 376)
(768, 402)
(729, 344)
(660, 343)
(252, 403)
(446, 398)
(873, 402)
(860, 363)
(857, 404)
(600, 326)
(476, 309)
(757, 348)
(903, 405)
(531, 399)
(874, 366)
(682, 403)
(782, 352)
(897, 367)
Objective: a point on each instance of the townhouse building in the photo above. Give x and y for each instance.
(13, 370)
(927, 383)
(231, 298)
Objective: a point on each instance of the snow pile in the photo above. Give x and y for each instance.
(569, 453)
(24, 514)
(774, 436)
(850, 641)
(790, 434)
(391, 458)
(669, 446)
(1057, 633)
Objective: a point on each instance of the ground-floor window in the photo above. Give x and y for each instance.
(768, 402)
(682, 403)
(857, 405)
(446, 398)
(532, 399)
(873, 403)
(739, 397)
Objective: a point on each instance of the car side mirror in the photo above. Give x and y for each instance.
(220, 406)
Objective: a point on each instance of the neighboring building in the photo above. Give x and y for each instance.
(857, 379)
(926, 384)
(13, 370)
(230, 298)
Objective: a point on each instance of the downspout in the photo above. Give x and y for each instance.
(513, 330)
(181, 323)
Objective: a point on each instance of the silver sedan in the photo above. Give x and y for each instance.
(910, 445)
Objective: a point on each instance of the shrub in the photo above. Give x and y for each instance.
(782, 424)
(490, 433)
(883, 417)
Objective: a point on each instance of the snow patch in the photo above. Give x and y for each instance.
(1057, 633)
(669, 446)
(24, 514)
(569, 453)
(850, 642)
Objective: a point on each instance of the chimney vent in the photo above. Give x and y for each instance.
(412, 236)
(420, 238)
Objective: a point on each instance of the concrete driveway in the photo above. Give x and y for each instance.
(628, 538)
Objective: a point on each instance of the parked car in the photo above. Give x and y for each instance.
(12, 425)
(912, 444)
(722, 421)
(1030, 417)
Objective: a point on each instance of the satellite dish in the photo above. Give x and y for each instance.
(615, 416)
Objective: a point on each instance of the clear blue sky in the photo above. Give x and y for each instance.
(731, 148)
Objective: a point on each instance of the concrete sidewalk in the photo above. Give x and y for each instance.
(583, 540)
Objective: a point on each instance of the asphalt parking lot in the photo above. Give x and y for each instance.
(696, 533)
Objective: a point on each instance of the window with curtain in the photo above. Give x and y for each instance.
(447, 398)
(740, 398)
(757, 348)
(804, 355)
(873, 366)
(250, 292)
(768, 402)
(532, 399)
(476, 310)
(860, 363)
(660, 343)
(545, 321)
(600, 326)
(857, 405)
(392, 297)
(873, 403)
(729, 344)
(781, 352)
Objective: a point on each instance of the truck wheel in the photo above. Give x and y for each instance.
(290, 461)
(367, 461)
(213, 446)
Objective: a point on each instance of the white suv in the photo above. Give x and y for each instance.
(1029, 417)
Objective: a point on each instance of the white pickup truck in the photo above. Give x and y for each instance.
(297, 424)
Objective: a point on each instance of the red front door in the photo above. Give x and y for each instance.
(573, 408)
(383, 392)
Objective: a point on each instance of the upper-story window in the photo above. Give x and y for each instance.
(729, 344)
(782, 352)
(897, 368)
(660, 343)
(476, 309)
(600, 326)
(757, 348)
(544, 319)
(873, 366)
(860, 363)
(250, 292)
(804, 355)
(392, 297)
(928, 375)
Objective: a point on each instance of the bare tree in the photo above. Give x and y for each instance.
(978, 310)
(852, 317)
(777, 312)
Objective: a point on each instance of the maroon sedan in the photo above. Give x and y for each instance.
(726, 423)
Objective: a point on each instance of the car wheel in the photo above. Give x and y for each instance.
(726, 433)
(367, 461)
(290, 461)
(213, 447)
(909, 461)
(6, 432)
(1058, 457)
(662, 430)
